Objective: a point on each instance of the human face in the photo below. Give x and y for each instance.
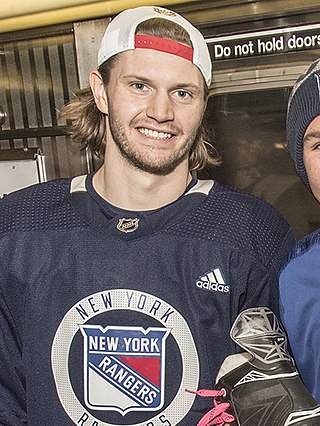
(311, 155)
(155, 106)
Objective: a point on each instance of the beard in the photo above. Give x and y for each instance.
(143, 161)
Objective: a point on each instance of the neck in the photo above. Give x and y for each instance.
(131, 189)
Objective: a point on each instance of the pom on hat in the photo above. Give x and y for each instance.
(303, 107)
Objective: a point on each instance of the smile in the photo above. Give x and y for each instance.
(154, 134)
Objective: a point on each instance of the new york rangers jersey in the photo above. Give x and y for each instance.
(107, 316)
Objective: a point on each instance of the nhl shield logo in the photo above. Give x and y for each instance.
(128, 225)
(124, 367)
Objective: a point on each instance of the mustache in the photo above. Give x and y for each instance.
(154, 125)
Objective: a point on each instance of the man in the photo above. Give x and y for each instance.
(118, 289)
(300, 278)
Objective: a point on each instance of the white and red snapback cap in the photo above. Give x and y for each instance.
(120, 36)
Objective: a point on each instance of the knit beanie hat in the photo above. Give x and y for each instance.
(303, 107)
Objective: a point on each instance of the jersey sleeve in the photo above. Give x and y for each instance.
(262, 279)
(12, 382)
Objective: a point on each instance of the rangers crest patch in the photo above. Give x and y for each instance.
(124, 367)
(122, 357)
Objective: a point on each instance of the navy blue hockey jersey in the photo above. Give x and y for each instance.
(107, 316)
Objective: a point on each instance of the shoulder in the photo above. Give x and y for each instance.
(246, 207)
(304, 251)
(41, 205)
(299, 280)
(233, 218)
(253, 225)
(231, 207)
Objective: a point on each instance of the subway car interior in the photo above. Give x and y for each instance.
(258, 49)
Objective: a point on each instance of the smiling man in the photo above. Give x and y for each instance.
(118, 289)
(153, 120)
(300, 277)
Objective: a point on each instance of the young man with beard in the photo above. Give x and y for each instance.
(118, 289)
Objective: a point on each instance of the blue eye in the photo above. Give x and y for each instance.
(139, 86)
(182, 93)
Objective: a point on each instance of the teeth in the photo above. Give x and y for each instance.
(154, 134)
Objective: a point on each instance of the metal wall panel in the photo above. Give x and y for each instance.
(37, 77)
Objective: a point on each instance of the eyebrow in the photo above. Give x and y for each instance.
(311, 135)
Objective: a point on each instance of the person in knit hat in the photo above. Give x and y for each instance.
(300, 276)
(303, 127)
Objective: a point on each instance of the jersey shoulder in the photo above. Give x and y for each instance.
(234, 218)
(40, 206)
(244, 208)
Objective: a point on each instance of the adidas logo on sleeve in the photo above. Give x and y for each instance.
(213, 281)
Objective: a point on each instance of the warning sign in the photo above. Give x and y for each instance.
(268, 42)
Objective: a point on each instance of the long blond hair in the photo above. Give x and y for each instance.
(88, 126)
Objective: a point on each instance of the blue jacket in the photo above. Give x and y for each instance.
(300, 308)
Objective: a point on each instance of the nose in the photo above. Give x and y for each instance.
(160, 107)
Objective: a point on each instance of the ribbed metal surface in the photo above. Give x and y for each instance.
(37, 77)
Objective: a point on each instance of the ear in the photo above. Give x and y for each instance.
(98, 90)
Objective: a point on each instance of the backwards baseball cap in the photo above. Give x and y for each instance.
(120, 36)
(303, 107)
